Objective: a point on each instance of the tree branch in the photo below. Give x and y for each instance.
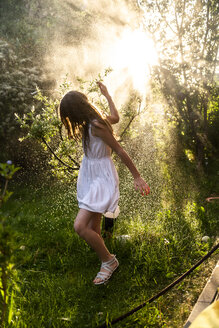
(130, 122)
(126, 128)
(215, 65)
(183, 14)
(164, 18)
(59, 159)
(179, 35)
(207, 30)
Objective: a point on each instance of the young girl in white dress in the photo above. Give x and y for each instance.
(98, 183)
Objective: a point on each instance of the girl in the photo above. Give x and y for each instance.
(98, 183)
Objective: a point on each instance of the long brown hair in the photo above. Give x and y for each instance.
(76, 113)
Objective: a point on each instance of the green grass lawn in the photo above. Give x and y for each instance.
(54, 269)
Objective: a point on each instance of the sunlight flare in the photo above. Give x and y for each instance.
(133, 55)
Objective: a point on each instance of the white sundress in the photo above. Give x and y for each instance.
(98, 182)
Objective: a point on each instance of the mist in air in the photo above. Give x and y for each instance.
(92, 36)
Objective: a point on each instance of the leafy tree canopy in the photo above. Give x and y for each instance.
(185, 35)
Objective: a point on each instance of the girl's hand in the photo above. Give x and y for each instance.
(103, 89)
(141, 185)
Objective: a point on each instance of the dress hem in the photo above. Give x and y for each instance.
(88, 209)
(107, 213)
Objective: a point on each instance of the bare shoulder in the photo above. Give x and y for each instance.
(100, 130)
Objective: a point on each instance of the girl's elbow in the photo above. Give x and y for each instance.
(115, 119)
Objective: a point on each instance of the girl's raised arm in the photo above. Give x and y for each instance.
(101, 131)
(114, 117)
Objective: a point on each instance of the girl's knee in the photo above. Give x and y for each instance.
(79, 227)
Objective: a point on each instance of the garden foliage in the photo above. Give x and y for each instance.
(185, 35)
(7, 170)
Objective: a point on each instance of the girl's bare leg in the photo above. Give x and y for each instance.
(95, 224)
(87, 226)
